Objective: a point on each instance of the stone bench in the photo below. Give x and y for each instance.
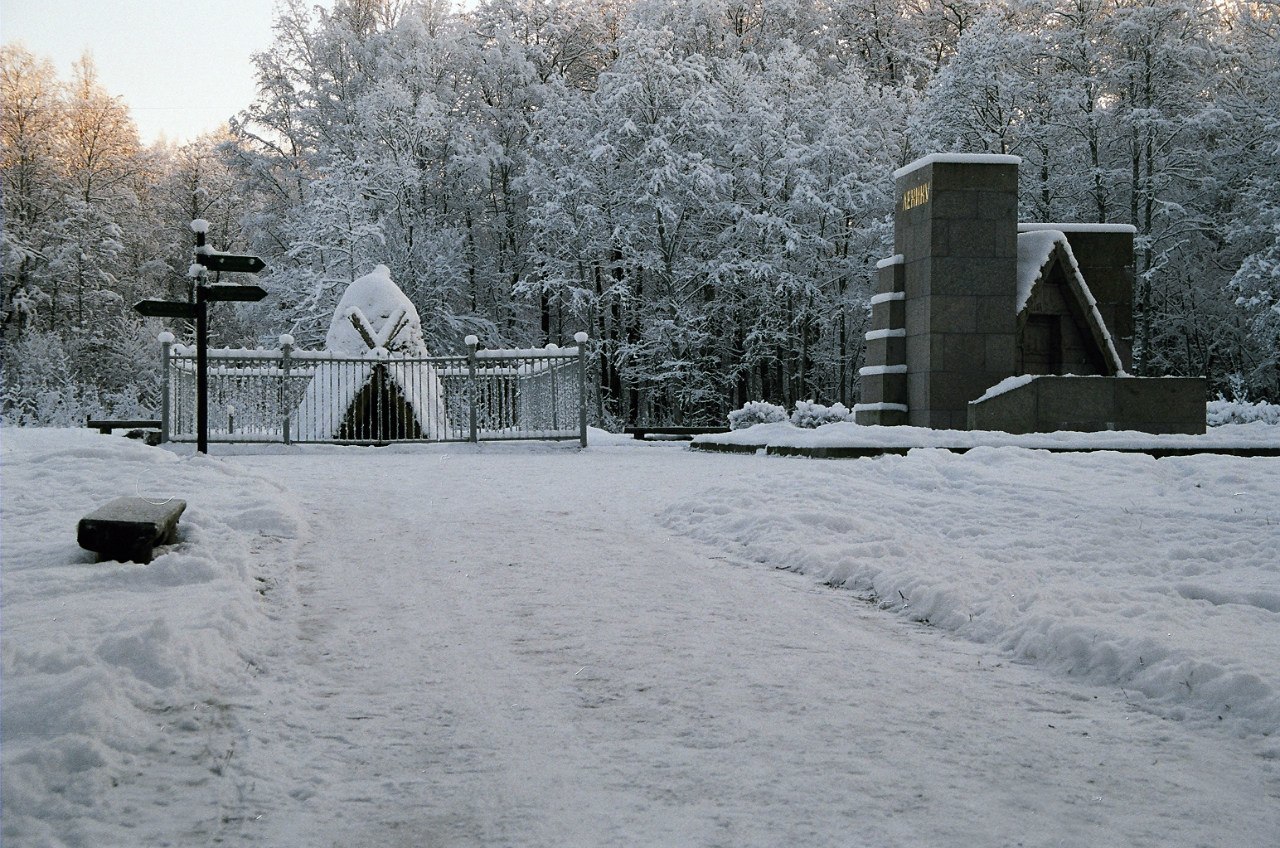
(146, 429)
(678, 432)
(126, 529)
(106, 425)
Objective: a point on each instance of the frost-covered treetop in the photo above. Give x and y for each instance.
(957, 159)
(374, 307)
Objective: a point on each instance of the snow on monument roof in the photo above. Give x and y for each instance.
(957, 159)
(1032, 227)
(1034, 250)
(382, 304)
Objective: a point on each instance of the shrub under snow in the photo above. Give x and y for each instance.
(809, 414)
(756, 412)
(1242, 412)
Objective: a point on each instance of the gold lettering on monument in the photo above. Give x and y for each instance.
(915, 196)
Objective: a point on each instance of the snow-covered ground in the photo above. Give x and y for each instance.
(529, 645)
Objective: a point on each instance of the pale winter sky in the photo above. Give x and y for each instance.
(182, 66)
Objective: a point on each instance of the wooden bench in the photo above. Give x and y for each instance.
(678, 432)
(126, 529)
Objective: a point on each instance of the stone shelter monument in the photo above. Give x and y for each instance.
(980, 322)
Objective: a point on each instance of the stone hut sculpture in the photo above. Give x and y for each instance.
(373, 384)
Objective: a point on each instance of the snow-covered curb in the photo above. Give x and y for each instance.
(851, 435)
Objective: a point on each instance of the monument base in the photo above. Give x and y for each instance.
(1047, 404)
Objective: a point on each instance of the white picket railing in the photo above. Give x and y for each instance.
(295, 396)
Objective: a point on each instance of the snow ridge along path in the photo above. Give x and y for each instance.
(531, 645)
(123, 683)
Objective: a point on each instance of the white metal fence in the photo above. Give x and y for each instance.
(292, 396)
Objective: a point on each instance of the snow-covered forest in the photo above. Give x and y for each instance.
(702, 185)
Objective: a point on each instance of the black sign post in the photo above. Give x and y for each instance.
(230, 263)
(244, 293)
(200, 312)
(165, 309)
(205, 294)
(202, 368)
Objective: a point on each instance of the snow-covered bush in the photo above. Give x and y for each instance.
(756, 412)
(57, 379)
(1242, 412)
(809, 414)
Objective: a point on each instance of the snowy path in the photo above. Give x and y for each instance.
(554, 667)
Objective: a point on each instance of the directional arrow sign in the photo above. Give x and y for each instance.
(234, 292)
(165, 309)
(230, 263)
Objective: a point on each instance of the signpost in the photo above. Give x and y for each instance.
(230, 263)
(199, 311)
(165, 309)
(246, 293)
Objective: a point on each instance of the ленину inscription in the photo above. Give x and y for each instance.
(915, 196)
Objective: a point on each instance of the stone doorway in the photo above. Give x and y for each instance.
(1042, 345)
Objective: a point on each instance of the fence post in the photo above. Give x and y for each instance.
(166, 342)
(473, 390)
(286, 351)
(581, 338)
(552, 367)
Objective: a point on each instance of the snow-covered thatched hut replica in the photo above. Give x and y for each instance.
(377, 383)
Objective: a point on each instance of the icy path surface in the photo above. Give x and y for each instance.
(507, 647)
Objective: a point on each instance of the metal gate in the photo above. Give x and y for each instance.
(296, 396)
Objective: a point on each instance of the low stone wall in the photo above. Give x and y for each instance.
(1047, 404)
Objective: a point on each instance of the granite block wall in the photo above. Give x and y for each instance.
(1048, 404)
(956, 227)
